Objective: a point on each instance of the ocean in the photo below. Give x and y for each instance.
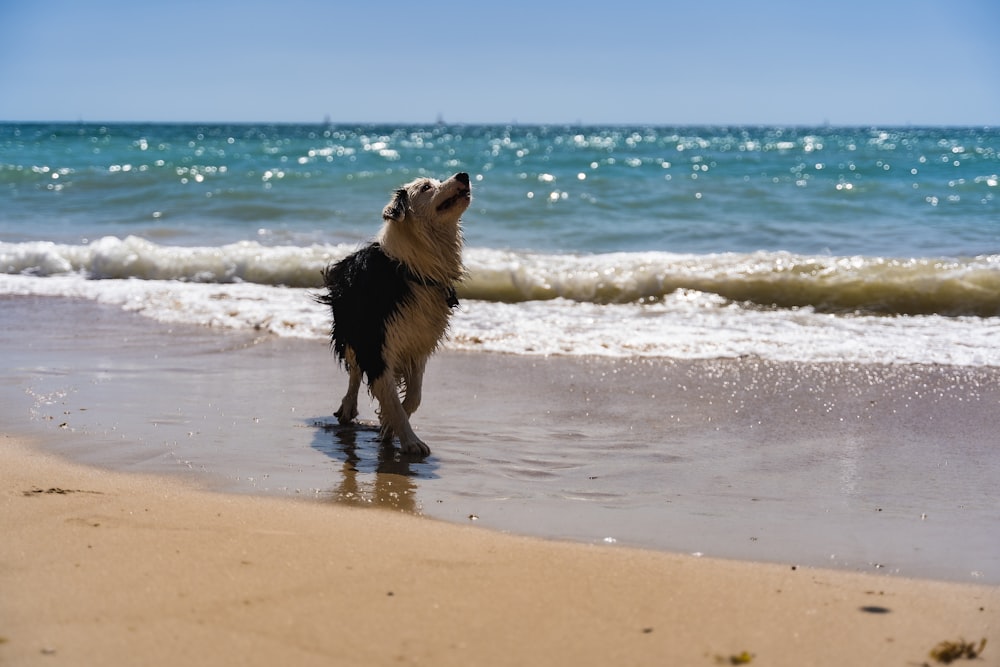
(762, 343)
(784, 243)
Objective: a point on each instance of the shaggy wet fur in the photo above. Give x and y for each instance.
(392, 299)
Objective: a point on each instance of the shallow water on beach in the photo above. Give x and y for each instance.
(889, 469)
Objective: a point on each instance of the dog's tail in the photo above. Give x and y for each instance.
(325, 297)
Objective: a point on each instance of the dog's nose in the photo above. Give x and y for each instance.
(462, 177)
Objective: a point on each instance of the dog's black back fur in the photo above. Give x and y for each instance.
(364, 291)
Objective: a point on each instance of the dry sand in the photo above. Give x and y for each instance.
(106, 568)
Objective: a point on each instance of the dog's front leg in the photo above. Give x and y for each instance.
(393, 417)
(349, 406)
(413, 378)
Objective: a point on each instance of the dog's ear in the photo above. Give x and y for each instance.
(395, 210)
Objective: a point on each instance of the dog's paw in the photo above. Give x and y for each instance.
(414, 446)
(345, 416)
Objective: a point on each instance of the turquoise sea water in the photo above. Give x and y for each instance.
(580, 240)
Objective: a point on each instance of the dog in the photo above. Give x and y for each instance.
(392, 299)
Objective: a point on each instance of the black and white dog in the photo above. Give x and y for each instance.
(392, 299)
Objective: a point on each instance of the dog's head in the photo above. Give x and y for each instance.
(422, 228)
(430, 201)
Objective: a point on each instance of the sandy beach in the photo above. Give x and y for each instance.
(100, 568)
(179, 495)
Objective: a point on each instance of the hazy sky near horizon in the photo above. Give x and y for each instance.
(856, 62)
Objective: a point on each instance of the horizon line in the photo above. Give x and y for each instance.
(327, 122)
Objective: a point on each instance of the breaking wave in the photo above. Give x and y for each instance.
(830, 284)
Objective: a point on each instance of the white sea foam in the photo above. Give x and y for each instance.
(135, 257)
(696, 325)
(685, 324)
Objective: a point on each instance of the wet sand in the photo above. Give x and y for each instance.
(890, 470)
(884, 469)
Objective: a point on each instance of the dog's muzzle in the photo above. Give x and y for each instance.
(463, 194)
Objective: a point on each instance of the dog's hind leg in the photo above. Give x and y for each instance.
(413, 378)
(349, 405)
(393, 418)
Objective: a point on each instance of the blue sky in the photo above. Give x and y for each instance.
(857, 62)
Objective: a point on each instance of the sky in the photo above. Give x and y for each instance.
(734, 62)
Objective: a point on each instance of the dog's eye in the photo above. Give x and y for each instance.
(425, 187)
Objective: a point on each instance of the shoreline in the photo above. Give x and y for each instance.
(97, 564)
